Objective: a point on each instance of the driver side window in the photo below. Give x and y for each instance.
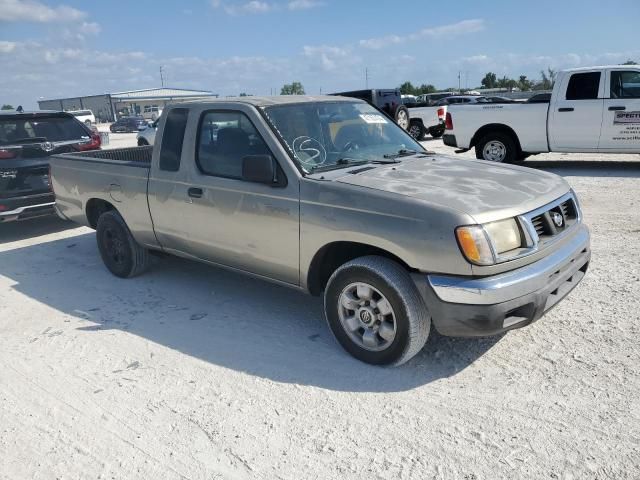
(225, 138)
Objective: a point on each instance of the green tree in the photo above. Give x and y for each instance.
(630, 62)
(490, 80)
(547, 80)
(524, 84)
(294, 88)
(426, 88)
(407, 88)
(6, 106)
(243, 94)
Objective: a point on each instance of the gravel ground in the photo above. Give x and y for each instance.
(192, 372)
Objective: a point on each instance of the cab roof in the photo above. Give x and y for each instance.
(277, 100)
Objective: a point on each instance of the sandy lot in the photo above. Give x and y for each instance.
(192, 372)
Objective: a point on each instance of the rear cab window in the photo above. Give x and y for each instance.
(584, 86)
(172, 139)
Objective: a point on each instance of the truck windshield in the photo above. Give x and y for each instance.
(334, 134)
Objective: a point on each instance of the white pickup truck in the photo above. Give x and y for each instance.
(425, 120)
(594, 109)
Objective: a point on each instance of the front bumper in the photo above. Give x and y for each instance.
(22, 208)
(464, 306)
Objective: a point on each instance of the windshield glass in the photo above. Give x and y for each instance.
(327, 134)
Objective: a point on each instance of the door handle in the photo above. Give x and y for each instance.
(195, 192)
(617, 109)
(566, 109)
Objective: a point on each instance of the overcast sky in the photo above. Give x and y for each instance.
(51, 49)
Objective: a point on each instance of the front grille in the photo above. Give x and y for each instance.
(555, 219)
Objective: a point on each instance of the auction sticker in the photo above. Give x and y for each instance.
(372, 118)
(626, 118)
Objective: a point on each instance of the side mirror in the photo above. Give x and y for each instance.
(259, 169)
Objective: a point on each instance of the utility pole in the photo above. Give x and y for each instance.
(366, 77)
(459, 82)
(161, 77)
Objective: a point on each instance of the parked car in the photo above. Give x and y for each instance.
(128, 124)
(388, 101)
(594, 109)
(151, 112)
(328, 196)
(409, 100)
(85, 116)
(540, 98)
(148, 135)
(499, 99)
(427, 120)
(432, 98)
(27, 140)
(457, 99)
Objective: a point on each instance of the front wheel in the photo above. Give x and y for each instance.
(375, 311)
(497, 147)
(121, 254)
(142, 142)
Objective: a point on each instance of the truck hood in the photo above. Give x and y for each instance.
(484, 190)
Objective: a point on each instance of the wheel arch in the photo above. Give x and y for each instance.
(96, 207)
(495, 127)
(332, 255)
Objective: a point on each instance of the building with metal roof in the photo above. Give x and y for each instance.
(108, 107)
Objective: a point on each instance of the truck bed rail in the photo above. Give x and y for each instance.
(134, 155)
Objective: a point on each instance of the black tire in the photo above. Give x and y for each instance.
(436, 132)
(142, 142)
(412, 321)
(121, 254)
(417, 130)
(87, 123)
(506, 141)
(402, 117)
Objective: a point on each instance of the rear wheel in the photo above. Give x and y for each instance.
(121, 254)
(142, 142)
(402, 117)
(87, 123)
(436, 132)
(497, 147)
(417, 130)
(375, 311)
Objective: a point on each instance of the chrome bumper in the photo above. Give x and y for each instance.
(564, 263)
(27, 209)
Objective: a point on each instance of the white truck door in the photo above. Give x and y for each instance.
(621, 120)
(575, 119)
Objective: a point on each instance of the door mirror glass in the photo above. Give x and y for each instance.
(259, 169)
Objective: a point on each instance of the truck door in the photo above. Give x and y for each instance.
(575, 119)
(250, 226)
(167, 195)
(621, 122)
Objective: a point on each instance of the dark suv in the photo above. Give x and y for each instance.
(27, 140)
(128, 124)
(389, 100)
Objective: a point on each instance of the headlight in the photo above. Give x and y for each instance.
(484, 244)
(505, 235)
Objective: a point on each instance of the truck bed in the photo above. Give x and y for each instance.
(118, 177)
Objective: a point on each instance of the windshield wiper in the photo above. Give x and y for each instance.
(403, 152)
(350, 162)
